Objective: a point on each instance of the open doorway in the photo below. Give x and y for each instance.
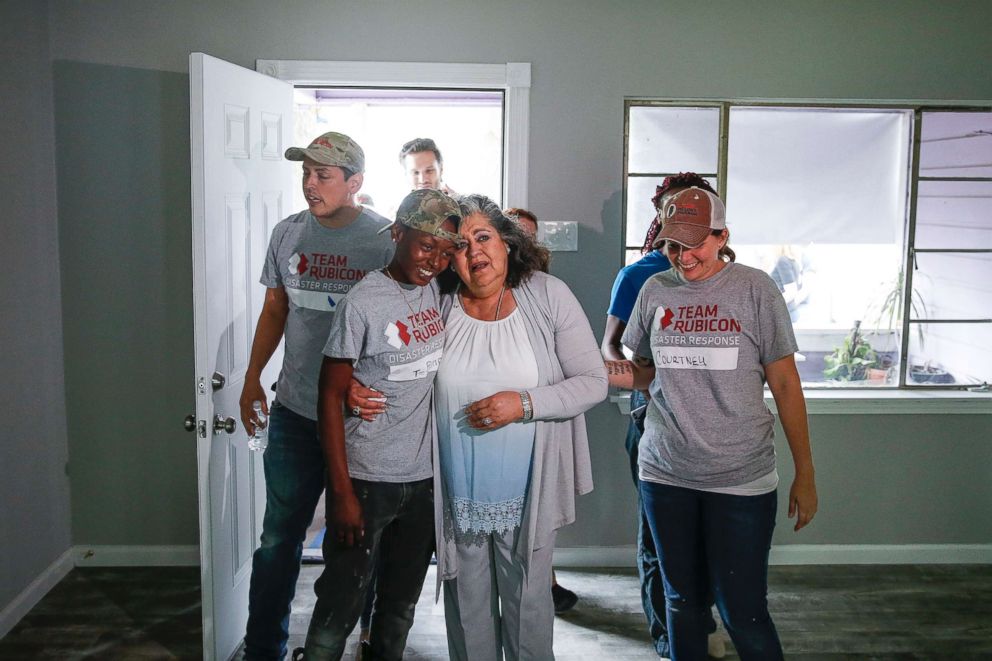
(466, 125)
(510, 80)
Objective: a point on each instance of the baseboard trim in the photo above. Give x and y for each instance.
(596, 556)
(33, 593)
(136, 556)
(881, 554)
(806, 554)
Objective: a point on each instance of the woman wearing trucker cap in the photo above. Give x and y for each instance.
(707, 335)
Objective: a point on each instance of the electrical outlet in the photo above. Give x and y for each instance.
(560, 235)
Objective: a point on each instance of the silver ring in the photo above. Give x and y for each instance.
(356, 410)
(487, 421)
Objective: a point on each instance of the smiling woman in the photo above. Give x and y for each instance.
(706, 336)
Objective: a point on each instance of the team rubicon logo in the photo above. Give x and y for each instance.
(666, 318)
(298, 263)
(397, 334)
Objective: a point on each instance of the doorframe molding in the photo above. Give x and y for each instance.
(512, 78)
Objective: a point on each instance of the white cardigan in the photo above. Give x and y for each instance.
(571, 380)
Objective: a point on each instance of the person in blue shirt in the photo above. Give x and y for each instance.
(625, 289)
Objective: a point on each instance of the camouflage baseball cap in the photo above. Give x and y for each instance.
(331, 149)
(426, 210)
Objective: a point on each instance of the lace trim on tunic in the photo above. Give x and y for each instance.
(472, 522)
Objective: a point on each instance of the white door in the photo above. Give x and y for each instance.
(240, 125)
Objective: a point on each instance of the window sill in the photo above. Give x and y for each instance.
(882, 402)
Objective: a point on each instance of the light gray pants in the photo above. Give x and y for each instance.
(491, 610)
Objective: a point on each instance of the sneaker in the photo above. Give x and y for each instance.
(298, 654)
(715, 646)
(564, 598)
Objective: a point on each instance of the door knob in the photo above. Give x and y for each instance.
(217, 381)
(189, 422)
(227, 424)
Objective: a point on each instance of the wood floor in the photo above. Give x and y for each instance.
(824, 612)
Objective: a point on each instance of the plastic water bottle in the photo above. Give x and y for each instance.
(260, 439)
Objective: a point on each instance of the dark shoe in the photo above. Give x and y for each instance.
(298, 654)
(564, 598)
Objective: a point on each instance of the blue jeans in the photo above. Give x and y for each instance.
(714, 542)
(398, 544)
(294, 480)
(648, 569)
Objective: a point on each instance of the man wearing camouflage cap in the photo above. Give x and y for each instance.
(387, 334)
(314, 258)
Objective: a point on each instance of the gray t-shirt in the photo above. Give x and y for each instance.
(394, 335)
(707, 424)
(317, 266)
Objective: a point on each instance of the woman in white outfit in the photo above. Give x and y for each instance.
(520, 367)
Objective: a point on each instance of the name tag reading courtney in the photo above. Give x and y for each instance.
(695, 358)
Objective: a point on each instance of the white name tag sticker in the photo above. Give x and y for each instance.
(418, 369)
(696, 358)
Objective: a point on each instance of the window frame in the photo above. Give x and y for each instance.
(918, 108)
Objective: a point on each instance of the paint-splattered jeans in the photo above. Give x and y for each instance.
(399, 540)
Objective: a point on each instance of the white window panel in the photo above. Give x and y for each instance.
(953, 214)
(666, 140)
(806, 175)
(953, 285)
(956, 144)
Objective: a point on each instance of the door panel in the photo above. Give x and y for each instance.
(240, 125)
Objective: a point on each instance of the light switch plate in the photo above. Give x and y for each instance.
(559, 236)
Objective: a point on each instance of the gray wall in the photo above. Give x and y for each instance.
(120, 89)
(124, 228)
(34, 490)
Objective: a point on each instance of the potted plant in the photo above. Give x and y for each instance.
(852, 359)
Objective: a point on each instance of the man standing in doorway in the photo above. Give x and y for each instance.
(313, 260)
(424, 167)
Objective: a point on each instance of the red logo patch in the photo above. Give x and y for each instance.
(666, 319)
(404, 332)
